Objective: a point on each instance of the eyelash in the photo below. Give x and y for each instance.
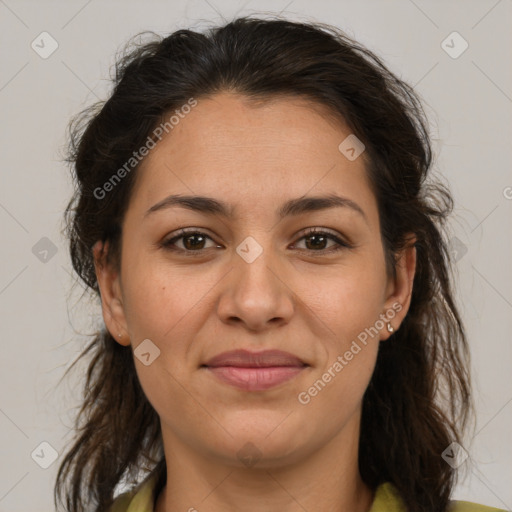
(182, 233)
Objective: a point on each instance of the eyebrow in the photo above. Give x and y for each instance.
(301, 205)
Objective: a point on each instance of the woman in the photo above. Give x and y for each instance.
(253, 209)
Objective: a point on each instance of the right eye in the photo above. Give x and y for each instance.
(192, 240)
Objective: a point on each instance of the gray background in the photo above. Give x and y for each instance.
(45, 326)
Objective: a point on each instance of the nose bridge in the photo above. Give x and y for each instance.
(255, 264)
(256, 293)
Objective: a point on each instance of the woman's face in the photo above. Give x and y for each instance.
(255, 280)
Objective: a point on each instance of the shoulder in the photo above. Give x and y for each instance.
(387, 499)
(122, 502)
(466, 506)
(137, 499)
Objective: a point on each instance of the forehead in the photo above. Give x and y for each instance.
(254, 153)
(236, 123)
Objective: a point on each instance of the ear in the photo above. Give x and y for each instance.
(399, 288)
(111, 297)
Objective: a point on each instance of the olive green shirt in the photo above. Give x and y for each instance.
(140, 499)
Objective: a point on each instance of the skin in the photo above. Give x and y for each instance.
(312, 303)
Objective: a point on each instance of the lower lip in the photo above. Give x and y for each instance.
(255, 379)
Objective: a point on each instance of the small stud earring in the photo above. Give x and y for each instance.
(390, 328)
(120, 335)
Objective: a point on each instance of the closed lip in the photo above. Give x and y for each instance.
(249, 359)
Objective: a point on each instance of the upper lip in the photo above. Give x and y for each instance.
(248, 359)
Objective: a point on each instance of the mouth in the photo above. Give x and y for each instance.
(255, 371)
(255, 379)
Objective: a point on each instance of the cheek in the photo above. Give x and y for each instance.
(167, 307)
(159, 297)
(336, 394)
(349, 299)
(351, 308)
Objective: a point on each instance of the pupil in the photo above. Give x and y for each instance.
(193, 244)
(321, 238)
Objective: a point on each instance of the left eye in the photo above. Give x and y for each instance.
(323, 236)
(193, 241)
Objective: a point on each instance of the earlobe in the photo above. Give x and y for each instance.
(111, 300)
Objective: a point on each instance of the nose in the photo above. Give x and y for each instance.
(255, 292)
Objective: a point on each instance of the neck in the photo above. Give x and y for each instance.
(327, 479)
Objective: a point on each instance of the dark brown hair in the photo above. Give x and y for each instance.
(418, 400)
